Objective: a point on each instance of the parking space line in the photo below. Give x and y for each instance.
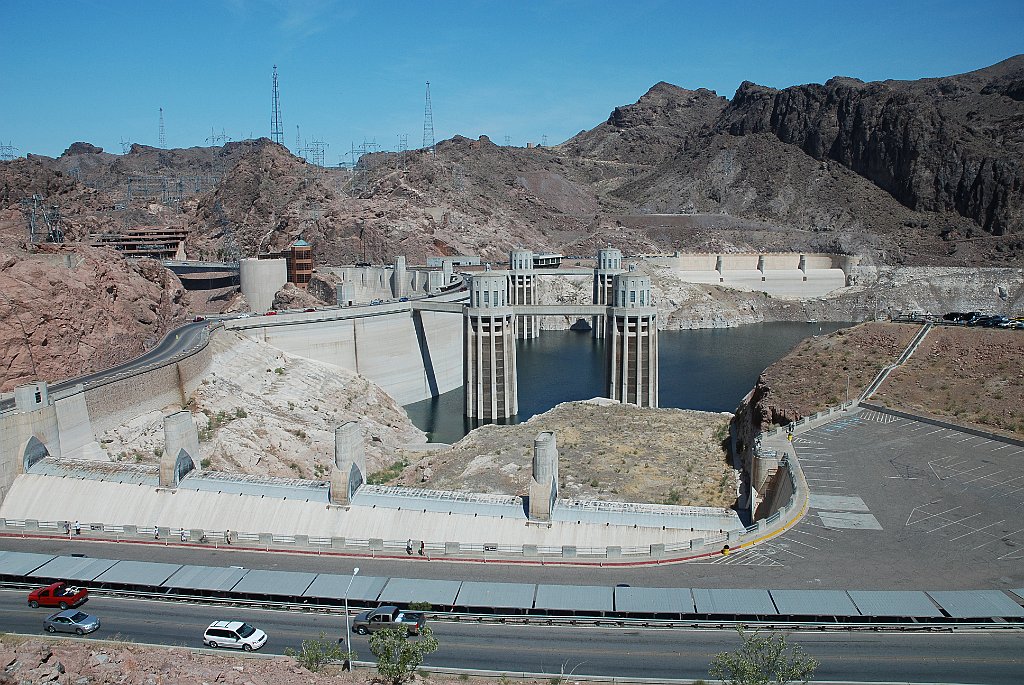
(1000, 448)
(999, 538)
(935, 431)
(799, 542)
(953, 523)
(929, 515)
(1002, 482)
(977, 530)
(813, 535)
(994, 473)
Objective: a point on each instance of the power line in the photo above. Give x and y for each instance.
(428, 124)
(276, 131)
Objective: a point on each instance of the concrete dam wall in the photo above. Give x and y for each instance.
(411, 354)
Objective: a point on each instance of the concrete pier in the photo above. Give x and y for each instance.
(609, 263)
(632, 330)
(490, 349)
(521, 290)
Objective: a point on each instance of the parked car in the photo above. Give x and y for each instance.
(71, 621)
(309, 309)
(58, 595)
(234, 634)
(270, 313)
(388, 617)
(376, 301)
(403, 299)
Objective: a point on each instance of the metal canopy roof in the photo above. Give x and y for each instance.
(653, 600)
(73, 568)
(205, 578)
(332, 586)
(911, 603)
(814, 603)
(574, 598)
(733, 602)
(977, 603)
(21, 563)
(138, 573)
(497, 595)
(407, 590)
(280, 583)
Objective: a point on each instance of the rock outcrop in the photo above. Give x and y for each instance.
(935, 145)
(70, 310)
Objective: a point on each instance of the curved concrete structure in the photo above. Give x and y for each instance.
(490, 349)
(522, 289)
(260, 280)
(633, 347)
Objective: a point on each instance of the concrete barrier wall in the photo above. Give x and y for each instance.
(411, 358)
(374, 282)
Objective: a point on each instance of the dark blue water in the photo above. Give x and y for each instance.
(708, 369)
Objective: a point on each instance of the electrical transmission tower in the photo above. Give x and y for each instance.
(161, 136)
(299, 150)
(276, 131)
(126, 146)
(218, 139)
(544, 140)
(508, 141)
(428, 124)
(403, 152)
(7, 152)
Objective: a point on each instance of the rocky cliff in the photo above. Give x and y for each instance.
(70, 310)
(935, 145)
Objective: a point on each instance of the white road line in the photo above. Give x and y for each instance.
(953, 523)
(1002, 482)
(977, 530)
(805, 544)
(929, 515)
(998, 538)
(1000, 448)
(967, 482)
(804, 532)
(935, 431)
(949, 456)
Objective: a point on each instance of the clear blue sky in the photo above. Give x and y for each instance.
(98, 71)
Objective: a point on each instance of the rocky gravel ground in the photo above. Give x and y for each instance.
(972, 376)
(70, 662)
(607, 451)
(969, 376)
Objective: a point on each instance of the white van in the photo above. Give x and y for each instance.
(234, 634)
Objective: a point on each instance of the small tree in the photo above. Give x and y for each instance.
(318, 652)
(398, 657)
(763, 660)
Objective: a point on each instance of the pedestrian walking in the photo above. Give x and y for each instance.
(422, 548)
(78, 528)
(227, 536)
(408, 547)
(67, 528)
(184, 535)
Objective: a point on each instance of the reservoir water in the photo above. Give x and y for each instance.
(706, 369)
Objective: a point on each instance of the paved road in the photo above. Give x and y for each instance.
(965, 657)
(180, 339)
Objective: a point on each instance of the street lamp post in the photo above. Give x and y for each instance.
(348, 634)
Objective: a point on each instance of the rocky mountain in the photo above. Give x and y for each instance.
(903, 173)
(937, 145)
(69, 310)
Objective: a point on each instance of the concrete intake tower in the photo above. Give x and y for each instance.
(490, 349)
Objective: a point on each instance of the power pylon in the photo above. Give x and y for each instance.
(428, 124)
(7, 152)
(161, 137)
(276, 131)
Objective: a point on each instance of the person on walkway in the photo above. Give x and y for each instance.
(227, 536)
(184, 535)
(408, 547)
(67, 528)
(422, 546)
(78, 528)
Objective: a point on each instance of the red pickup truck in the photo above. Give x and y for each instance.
(57, 595)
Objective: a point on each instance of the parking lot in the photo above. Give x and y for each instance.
(897, 504)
